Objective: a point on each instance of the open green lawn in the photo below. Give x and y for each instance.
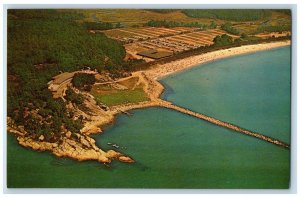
(122, 97)
(111, 96)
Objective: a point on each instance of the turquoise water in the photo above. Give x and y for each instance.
(173, 150)
(252, 91)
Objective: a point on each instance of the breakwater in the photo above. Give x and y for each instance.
(221, 123)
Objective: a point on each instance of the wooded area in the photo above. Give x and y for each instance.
(229, 14)
(41, 43)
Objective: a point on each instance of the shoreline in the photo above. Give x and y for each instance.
(85, 148)
(160, 71)
(152, 76)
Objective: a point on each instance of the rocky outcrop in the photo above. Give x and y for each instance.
(79, 151)
(116, 155)
(91, 129)
(76, 146)
(125, 159)
(17, 130)
(36, 145)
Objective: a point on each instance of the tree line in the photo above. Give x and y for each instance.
(101, 25)
(229, 14)
(40, 44)
(229, 28)
(273, 28)
(170, 24)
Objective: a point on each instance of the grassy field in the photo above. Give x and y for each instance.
(111, 95)
(122, 97)
(138, 17)
(276, 19)
(137, 36)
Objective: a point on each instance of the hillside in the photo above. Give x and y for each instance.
(64, 66)
(140, 17)
(42, 43)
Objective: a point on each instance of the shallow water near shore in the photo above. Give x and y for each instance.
(173, 150)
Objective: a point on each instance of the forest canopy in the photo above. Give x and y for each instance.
(229, 14)
(44, 43)
(40, 44)
(228, 28)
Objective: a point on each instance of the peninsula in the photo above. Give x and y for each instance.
(75, 97)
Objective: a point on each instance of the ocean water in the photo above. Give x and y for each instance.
(173, 150)
(252, 91)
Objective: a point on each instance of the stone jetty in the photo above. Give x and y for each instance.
(215, 121)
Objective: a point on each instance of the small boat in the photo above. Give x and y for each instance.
(116, 146)
(109, 143)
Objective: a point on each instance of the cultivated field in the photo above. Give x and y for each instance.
(149, 43)
(129, 35)
(138, 17)
(161, 42)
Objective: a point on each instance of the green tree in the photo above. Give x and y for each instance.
(213, 25)
(223, 40)
(229, 14)
(74, 97)
(228, 28)
(83, 81)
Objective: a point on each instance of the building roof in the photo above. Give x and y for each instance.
(155, 54)
(62, 77)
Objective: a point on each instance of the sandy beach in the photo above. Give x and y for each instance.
(162, 70)
(86, 149)
(154, 89)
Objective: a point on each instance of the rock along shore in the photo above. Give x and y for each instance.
(82, 147)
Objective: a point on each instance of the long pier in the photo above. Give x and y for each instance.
(215, 121)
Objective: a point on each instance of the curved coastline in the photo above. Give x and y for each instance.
(160, 71)
(153, 88)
